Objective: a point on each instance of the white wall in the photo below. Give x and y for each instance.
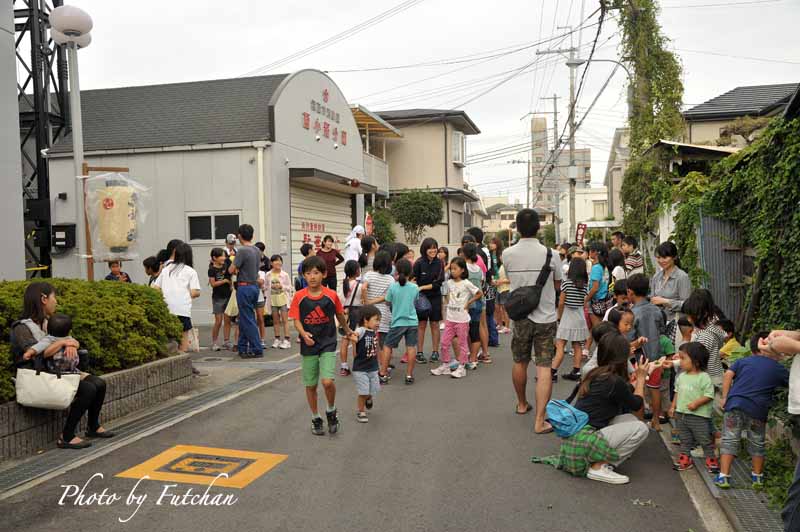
(12, 236)
(584, 208)
(180, 183)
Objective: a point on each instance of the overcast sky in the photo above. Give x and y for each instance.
(148, 42)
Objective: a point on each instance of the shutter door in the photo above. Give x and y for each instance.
(316, 214)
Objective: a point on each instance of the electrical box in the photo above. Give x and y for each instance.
(64, 236)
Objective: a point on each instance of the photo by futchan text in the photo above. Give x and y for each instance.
(169, 495)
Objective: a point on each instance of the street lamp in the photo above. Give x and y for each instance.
(70, 27)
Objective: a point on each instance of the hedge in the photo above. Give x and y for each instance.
(123, 325)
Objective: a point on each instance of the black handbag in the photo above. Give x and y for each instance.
(525, 299)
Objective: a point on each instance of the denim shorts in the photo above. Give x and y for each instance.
(409, 334)
(367, 382)
(734, 424)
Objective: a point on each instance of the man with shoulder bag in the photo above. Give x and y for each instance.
(535, 273)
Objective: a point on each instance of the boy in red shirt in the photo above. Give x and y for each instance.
(313, 310)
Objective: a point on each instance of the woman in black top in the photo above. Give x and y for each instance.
(38, 305)
(613, 405)
(429, 276)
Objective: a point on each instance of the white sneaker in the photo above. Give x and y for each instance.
(276, 344)
(215, 347)
(471, 365)
(286, 344)
(607, 474)
(459, 372)
(444, 369)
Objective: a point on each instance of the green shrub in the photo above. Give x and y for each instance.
(122, 325)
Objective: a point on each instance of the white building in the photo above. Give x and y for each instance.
(282, 153)
(591, 204)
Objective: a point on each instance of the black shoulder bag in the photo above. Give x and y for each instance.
(525, 299)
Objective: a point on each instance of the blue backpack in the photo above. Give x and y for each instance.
(565, 418)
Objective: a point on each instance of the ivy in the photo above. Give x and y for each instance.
(689, 194)
(655, 113)
(757, 190)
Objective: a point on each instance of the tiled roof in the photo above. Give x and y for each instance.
(460, 117)
(176, 114)
(753, 101)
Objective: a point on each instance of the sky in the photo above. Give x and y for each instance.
(721, 44)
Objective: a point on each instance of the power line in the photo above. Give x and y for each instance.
(726, 4)
(487, 54)
(349, 32)
(441, 74)
(749, 58)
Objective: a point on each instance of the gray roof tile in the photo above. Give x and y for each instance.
(176, 114)
(754, 101)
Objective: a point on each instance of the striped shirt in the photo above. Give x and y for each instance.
(377, 286)
(713, 337)
(575, 296)
(634, 263)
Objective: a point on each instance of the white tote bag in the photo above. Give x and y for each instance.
(37, 389)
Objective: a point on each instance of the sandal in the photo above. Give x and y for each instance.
(66, 445)
(527, 409)
(104, 434)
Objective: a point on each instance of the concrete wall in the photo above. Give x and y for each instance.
(12, 236)
(418, 161)
(25, 431)
(705, 132)
(181, 183)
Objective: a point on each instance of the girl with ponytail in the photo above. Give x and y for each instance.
(402, 296)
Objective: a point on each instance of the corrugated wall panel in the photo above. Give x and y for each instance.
(722, 257)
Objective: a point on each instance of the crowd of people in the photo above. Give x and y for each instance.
(645, 350)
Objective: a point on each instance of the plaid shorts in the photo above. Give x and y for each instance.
(534, 338)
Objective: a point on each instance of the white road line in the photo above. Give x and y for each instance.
(136, 437)
(288, 358)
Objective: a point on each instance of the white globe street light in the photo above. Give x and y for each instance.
(70, 20)
(71, 27)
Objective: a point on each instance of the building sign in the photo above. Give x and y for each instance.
(323, 119)
(312, 226)
(314, 234)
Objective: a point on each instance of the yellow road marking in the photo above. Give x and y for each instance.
(185, 455)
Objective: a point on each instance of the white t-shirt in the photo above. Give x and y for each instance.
(458, 294)
(176, 283)
(523, 262)
(794, 386)
(619, 273)
(352, 249)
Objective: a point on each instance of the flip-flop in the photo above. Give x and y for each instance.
(527, 409)
(545, 431)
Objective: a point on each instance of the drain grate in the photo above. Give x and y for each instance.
(750, 507)
(58, 458)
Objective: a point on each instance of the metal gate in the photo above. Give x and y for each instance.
(722, 258)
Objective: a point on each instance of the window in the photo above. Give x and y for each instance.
(600, 209)
(459, 148)
(212, 226)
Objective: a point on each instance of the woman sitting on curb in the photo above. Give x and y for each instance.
(610, 437)
(39, 304)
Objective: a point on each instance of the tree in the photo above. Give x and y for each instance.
(745, 127)
(382, 224)
(415, 211)
(549, 235)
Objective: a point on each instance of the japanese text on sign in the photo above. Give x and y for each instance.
(312, 226)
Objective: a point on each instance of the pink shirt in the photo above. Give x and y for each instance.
(481, 265)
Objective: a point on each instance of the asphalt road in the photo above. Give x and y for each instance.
(443, 454)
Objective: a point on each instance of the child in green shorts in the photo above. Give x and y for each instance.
(314, 310)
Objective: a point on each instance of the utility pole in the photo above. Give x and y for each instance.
(573, 63)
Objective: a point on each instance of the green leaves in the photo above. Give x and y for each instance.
(382, 222)
(416, 210)
(122, 325)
